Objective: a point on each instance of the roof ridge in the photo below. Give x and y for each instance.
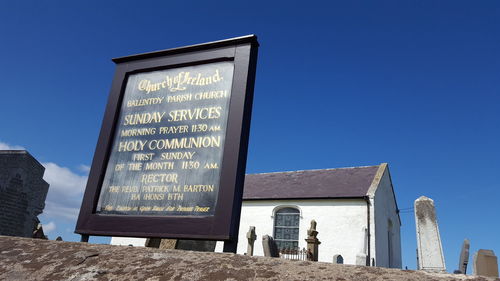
(14, 151)
(311, 170)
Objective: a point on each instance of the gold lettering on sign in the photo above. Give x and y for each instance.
(153, 196)
(181, 143)
(142, 156)
(155, 188)
(129, 189)
(159, 166)
(138, 132)
(175, 196)
(144, 102)
(174, 130)
(179, 82)
(168, 142)
(199, 188)
(143, 118)
(210, 95)
(137, 145)
(135, 166)
(184, 209)
(201, 209)
(177, 155)
(175, 143)
(180, 98)
(150, 178)
(195, 114)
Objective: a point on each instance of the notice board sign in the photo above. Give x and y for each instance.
(171, 155)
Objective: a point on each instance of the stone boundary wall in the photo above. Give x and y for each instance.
(32, 259)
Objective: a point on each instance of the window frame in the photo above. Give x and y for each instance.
(276, 212)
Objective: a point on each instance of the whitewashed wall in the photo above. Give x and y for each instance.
(126, 241)
(385, 210)
(340, 224)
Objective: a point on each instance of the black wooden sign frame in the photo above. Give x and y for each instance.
(224, 224)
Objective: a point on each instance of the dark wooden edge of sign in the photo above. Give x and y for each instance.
(224, 224)
(252, 39)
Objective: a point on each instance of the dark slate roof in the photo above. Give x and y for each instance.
(327, 183)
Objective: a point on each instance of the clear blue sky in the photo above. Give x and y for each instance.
(339, 84)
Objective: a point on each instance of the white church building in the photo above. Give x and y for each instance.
(355, 209)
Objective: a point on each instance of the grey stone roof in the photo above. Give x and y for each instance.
(309, 184)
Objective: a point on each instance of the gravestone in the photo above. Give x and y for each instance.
(168, 244)
(153, 242)
(22, 193)
(196, 245)
(464, 258)
(429, 249)
(181, 244)
(312, 242)
(270, 247)
(338, 259)
(485, 263)
(251, 236)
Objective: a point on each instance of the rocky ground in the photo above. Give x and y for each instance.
(32, 259)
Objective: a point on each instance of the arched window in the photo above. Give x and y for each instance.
(286, 228)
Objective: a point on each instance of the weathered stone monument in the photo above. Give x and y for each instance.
(251, 236)
(196, 245)
(485, 263)
(270, 247)
(464, 258)
(429, 249)
(153, 243)
(338, 259)
(22, 193)
(168, 244)
(312, 242)
(181, 244)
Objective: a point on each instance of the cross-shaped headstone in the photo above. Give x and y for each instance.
(251, 236)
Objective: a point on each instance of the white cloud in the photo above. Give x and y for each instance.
(56, 210)
(65, 191)
(6, 146)
(49, 227)
(84, 168)
(63, 181)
